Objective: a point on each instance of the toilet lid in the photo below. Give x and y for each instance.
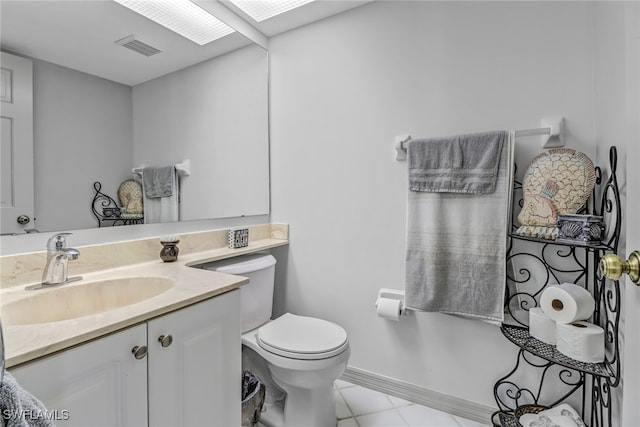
(300, 337)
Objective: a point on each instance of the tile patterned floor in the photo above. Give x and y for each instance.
(357, 406)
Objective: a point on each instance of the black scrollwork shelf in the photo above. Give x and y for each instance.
(535, 263)
(107, 211)
(520, 337)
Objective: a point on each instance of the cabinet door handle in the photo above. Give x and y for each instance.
(139, 352)
(165, 340)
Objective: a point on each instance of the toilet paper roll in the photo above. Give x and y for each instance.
(582, 341)
(389, 308)
(567, 303)
(541, 326)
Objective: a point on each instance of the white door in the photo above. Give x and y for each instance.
(99, 384)
(195, 377)
(631, 378)
(16, 138)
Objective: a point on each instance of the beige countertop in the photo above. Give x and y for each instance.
(27, 342)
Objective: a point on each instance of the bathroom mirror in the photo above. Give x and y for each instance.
(101, 110)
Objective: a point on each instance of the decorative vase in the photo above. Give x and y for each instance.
(169, 251)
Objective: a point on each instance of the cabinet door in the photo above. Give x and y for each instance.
(196, 379)
(99, 383)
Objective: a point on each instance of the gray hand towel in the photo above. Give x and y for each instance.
(158, 181)
(457, 248)
(456, 164)
(19, 408)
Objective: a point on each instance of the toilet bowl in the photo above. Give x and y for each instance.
(303, 355)
(304, 369)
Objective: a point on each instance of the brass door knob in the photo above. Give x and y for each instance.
(612, 267)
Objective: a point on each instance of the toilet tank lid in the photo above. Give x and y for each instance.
(245, 264)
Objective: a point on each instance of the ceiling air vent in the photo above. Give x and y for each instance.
(130, 42)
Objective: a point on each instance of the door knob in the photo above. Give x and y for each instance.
(23, 220)
(612, 267)
(165, 340)
(139, 352)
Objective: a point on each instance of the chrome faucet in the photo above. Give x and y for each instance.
(58, 255)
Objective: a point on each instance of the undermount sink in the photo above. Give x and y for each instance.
(82, 299)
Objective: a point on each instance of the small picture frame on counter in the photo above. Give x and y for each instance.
(238, 238)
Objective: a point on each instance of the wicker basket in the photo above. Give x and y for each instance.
(527, 409)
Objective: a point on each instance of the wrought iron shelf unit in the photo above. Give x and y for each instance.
(542, 375)
(520, 337)
(107, 212)
(599, 246)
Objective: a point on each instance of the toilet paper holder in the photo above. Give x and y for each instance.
(395, 295)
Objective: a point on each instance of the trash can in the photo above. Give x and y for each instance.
(253, 392)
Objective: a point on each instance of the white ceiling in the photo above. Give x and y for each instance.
(80, 34)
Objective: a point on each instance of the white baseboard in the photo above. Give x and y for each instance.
(433, 399)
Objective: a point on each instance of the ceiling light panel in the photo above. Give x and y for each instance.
(182, 17)
(260, 10)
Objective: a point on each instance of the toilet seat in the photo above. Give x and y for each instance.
(300, 337)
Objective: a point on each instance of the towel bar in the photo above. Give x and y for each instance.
(552, 127)
(183, 169)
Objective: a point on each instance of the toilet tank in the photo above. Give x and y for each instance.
(256, 297)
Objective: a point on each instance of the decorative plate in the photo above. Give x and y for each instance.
(130, 195)
(556, 182)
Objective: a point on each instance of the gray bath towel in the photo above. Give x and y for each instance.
(158, 181)
(19, 408)
(457, 164)
(456, 248)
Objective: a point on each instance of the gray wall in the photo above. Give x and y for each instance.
(342, 89)
(82, 133)
(214, 114)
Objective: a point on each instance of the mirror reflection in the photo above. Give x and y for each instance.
(210, 111)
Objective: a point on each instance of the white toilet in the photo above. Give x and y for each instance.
(300, 356)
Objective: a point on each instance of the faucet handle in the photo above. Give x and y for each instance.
(58, 241)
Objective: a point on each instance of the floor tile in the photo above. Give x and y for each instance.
(463, 422)
(390, 418)
(365, 401)
(350, 422)
(342, 384)
(398, 402)
(342, 410)
(422, 416)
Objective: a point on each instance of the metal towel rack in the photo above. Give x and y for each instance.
(183, 169)
(552, 127)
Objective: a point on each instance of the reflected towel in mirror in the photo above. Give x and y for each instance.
(158, 181)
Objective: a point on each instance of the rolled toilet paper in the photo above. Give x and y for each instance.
(582, 341)
(389, 308)
(541, 326)
(567, 303)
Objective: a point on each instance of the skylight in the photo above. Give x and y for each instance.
(182, 17)
(265, 9)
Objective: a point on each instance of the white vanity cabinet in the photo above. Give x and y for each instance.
(94, 384)
(190, 374)
(196, 379)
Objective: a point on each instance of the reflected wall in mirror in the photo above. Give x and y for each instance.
(89, 128)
